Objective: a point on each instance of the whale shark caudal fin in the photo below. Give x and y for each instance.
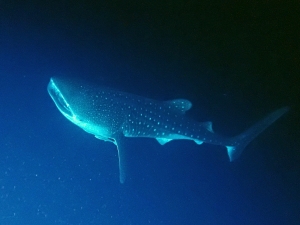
(242, 140)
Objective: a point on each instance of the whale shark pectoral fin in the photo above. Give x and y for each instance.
(163, 141)
(198, 142)
(120, 143)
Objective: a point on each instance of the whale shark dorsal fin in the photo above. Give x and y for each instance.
(179, 105)
(208, 126)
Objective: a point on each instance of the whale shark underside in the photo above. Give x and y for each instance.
(112, 115)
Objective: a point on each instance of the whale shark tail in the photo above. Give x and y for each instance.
(242, 140)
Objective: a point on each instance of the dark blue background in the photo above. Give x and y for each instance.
(235, 61)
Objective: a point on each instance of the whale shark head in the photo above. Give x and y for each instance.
(77, 103)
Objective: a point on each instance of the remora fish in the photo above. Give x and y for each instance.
(113, 115)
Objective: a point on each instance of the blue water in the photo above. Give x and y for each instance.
(236, 64)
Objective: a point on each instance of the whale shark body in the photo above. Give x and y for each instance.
(112, 115)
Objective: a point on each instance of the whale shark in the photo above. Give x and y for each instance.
(112, 115)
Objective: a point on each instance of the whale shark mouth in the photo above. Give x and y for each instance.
(59, 99)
